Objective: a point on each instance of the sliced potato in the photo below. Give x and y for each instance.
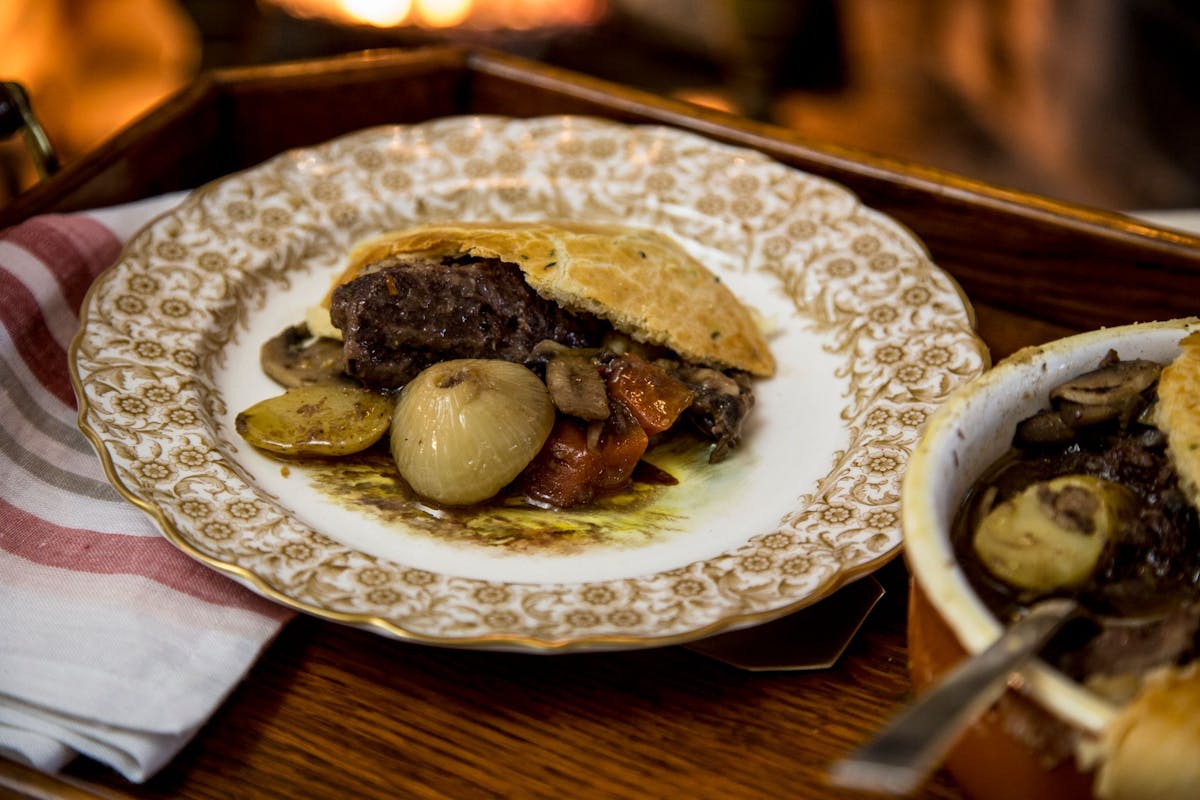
(1053, 534)
(318, 420)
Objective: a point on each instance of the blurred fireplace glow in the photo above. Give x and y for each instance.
(473, 14)
(380, 13)
(89, 69)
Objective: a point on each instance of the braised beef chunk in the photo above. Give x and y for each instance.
(1134, 648)
(400, 318)
(720, 405)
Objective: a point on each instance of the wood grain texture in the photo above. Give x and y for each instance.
(332, 712)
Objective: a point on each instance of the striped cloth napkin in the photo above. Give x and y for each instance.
(113, 644)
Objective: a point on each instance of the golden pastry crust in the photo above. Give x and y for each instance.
(1178, 414)
(641, 282)
(1152, 748)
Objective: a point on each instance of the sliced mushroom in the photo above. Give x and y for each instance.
(1114, 391)
(1045, 427)
(1111, 385)
(576, 387)
(572, 374)
(1082, 415)
(295, 358)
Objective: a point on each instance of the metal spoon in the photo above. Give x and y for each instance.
(899, 757)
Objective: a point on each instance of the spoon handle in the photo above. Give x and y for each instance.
(901, 755)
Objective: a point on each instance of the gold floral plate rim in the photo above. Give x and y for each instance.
(918, 320)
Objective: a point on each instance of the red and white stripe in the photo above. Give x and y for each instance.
(116, 645)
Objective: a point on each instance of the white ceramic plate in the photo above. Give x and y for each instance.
(870, 337)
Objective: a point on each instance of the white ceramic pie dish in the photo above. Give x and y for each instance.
(966, 435)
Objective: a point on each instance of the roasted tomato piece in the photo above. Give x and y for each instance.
(621, 445)
(564, 473)
(655, 397)
(568, 471)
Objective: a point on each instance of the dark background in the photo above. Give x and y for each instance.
(1090, 102)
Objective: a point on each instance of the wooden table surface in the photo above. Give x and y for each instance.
(334, 712)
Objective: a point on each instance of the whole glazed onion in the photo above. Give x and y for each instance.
(464, 429)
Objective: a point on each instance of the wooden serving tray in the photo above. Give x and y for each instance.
(1013, 253)
(420, 721)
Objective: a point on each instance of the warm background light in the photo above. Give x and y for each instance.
(443, 13)
(1090, 102)
(89, 69)
(380, 13)
(478, 15)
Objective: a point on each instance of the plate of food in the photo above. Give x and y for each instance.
(537, 384)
